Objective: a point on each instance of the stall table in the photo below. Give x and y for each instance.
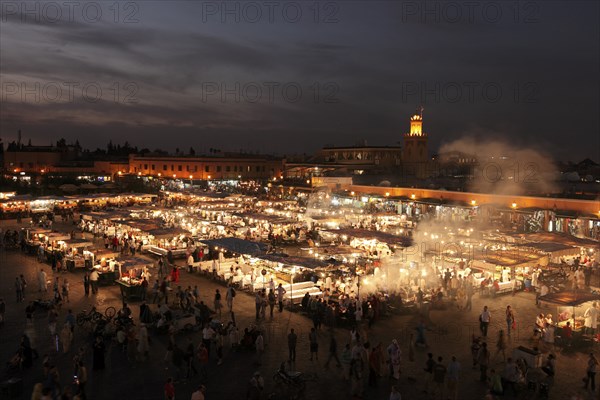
(130, 290)
(107, 278)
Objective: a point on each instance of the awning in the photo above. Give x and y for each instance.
(295, 261)
(566, 214)
(78, 243)
(239, 246)
(429, 200)
(167, 232)
(388, 238)
(274, 219)
(569, 298)
(133, 262)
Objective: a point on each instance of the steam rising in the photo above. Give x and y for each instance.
(503, 168)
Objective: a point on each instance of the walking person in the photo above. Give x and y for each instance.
(169, 389)
(156, 291)
(257, 304)
(346, 362)
(28, 312)
(333, 352)
(203, 358)
(263, 303)
(98, 354)
(501, 345)
(65, 290)
(23, 286)
(144, 286)
(217, 303)
(43, 281)
(19, 289)
(66, 337)
(356, 376)
(452, 374)
(94, 276)
(439, 377)
(292, 340)
(280, 292)
(375, 361)
(510, 320)
(208, 334)
(143, 346)
(511, 377)
(395, 358)
(229, 296)
(395, 394)
(484, 321)
(81, 380)
(271, 298)
(164, 292)
(590, 379)
(259, 343)
(429, 365)
(469, 294)
(591, 319)
(86, 284)
(483, 359)
(52, 318)
(314, 344)
(189, 358)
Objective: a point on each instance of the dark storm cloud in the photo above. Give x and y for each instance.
(365, 62)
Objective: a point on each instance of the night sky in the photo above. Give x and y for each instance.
(291, 77)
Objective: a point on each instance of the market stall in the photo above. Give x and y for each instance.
(108, 270)
(570, 308)
(133, 272)
(161, 241)
(75, 253)
(33, 238)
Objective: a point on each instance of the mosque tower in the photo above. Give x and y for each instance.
(415, 154)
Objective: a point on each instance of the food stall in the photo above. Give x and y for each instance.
(294, 272)
(133, 272)
(226, 253)
(108, 270)
(161, 241)
(33, 238)
(571, 306)
(75, 254)
(51, 246)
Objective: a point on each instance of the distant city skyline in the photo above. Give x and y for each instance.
(180, 74)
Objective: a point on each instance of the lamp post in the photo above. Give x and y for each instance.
(292, 289)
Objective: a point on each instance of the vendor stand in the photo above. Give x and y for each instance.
(33, 238)
(75, 254)
(133, 272)
(567, 303)
(108, 271)
(161, 241)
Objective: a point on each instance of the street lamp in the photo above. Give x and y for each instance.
(292, 289)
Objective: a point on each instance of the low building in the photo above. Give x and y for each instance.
(228, 166)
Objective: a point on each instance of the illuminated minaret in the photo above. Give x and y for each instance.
(415, 154)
